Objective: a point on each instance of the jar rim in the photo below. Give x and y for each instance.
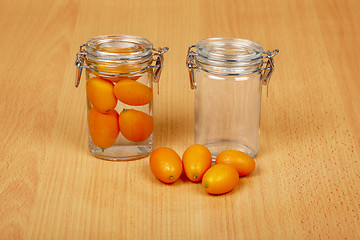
(119, 47)
(235, 51)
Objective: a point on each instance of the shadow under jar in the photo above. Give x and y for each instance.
(120, 71)
(227, 75)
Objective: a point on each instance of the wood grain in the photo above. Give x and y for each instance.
(305, 186)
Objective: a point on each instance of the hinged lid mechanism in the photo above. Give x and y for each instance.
(118, 55)
(230, 56)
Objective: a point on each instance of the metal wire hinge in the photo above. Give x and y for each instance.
(159, 62)
(191, 66)
(268, 68)
(79, 62)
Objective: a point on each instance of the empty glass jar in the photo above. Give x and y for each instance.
(120, 71)
(227, 75)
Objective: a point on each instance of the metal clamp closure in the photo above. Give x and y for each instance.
(191, 66)
(79, 62)
(159, 63)
(80, 57)
(268, 67)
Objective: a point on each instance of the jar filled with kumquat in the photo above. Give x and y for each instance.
(120, 72)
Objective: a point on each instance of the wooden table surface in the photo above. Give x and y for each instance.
(307, 181)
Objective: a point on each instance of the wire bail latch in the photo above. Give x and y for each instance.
(269, 67)
(191, 66)
(79, 62)
(159, 62)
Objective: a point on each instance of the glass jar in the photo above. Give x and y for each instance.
(227, 75)
(120, 71)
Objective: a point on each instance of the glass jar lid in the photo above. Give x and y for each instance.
(119, 55)
(228, 53)
(118, 48)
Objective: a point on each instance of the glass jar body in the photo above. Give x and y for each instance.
(227, 75)
(119, 95)
(227, 112)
